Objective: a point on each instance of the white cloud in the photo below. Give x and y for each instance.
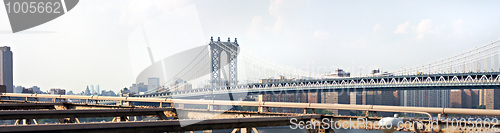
(457, 27)
(321, 34)
(279, 24)
(255, 26)
(275, 6)
(424, 27)
(282, 9)
(138, 11)
(377, 27)
(403, 28)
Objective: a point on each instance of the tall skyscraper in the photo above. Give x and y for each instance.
(6, 76)
(87, 91)
(92, 92)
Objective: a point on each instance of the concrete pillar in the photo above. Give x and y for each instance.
(261, 100)
(26, 121)
(246, 130)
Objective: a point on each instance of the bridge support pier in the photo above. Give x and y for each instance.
(23, 121)
(245, 130)
(120, 119)
(216, 49)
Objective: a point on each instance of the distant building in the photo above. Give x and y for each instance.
(456, 99)
(182, 86)
(481, 97)
(107, 93)
(18, 89)
(178, 85)
(336, 74)
(153, 83)
(36, 89)
(395, 94)
(92, 91)
(356, 98)
(28, 90)
(87, 91)
(136, 88)
(425, 98)
(333, 98)
(492, 98)
(281, 97)
(98, 92)
(6, 76)
(3, 89)
(464, 98)
(377, 73)
(57, 91)
(281, 79)
(385, 97)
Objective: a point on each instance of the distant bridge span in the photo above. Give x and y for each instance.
(484, 80)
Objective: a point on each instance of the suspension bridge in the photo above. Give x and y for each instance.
(478, 68)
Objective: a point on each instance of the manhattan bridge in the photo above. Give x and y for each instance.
(478, 68)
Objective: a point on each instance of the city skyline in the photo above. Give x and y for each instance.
(75, 51)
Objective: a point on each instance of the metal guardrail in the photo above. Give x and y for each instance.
(160, 125)
(468, 80)
(272, 104)
(79, 113)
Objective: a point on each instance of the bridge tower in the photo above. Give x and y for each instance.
(231, 49)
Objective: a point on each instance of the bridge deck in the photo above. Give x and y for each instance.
(13, 106)
(159, 126)
(46, 114)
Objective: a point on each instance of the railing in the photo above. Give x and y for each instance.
(382, 82)
(370, 108)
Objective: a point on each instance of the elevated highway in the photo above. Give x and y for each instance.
(237, 120)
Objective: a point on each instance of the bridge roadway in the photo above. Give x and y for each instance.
(158, 126)
(230, 119)
(263, 105)
(19, 105)
(80, 113)
(484, 80)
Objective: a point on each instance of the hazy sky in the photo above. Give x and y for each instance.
(91, 43)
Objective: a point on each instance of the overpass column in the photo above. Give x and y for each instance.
(245, 130)
(260, 99)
